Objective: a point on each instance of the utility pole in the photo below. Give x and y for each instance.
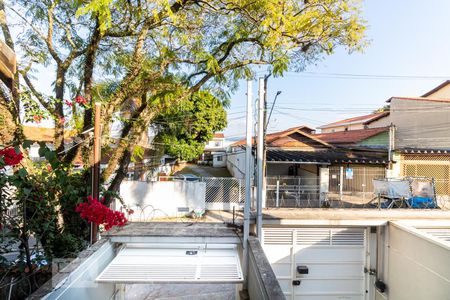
(259, 156)
(248, 175)
(96, 165)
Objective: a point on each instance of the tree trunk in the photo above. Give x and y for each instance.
(59, 112)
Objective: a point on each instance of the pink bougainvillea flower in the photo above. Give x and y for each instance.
(96, 212)
(10, 156)
(80, 100)
(49, 168)
(68, 103)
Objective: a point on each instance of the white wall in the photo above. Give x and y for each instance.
(162, 198)
(80, 283)
(219, 159)
(236, 163)
(418, 267)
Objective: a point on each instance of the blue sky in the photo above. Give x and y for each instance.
(407, 38)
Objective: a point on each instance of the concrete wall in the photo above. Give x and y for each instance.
(262, 283)
(418, 267)
(77, 280)
(162, 198)
(421, 124)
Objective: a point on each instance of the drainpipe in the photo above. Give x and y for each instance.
(248, 177)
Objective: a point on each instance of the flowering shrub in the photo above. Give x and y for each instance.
(96, 212)
(80, 100)
(10, 156)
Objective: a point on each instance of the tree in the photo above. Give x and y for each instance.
(161, 52)
(184, 129)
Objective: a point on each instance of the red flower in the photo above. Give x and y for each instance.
(69, 103)
(130, 211)
(80, 100)
(94, 211)
(37, 119)
(10, 156)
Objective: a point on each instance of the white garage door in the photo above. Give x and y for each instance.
(334, 259)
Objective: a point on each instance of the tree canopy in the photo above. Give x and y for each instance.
(160, 55)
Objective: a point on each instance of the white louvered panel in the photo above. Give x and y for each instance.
(347, 237)
(277, 236)
(140, 264)
(313, 236)
(440, 233)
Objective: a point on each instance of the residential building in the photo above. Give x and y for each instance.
(380, 119)
(215, 153)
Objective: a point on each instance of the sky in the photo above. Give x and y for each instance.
(407, 38)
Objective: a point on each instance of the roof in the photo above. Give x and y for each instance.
(366, 119)
(424, 151)
(218, 135)
(326, 157)
(443, 100)
(271, 137)
(43, 134)
(442, 85)
(351, 136)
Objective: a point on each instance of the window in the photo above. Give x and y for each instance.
(217, 144)
(220, 158)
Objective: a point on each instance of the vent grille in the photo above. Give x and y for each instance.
(440, 233)
(277, 236)
(141, 265)
(348, 237)
(314, 236)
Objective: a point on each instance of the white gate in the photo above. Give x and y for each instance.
(224, 193)
(318, 263)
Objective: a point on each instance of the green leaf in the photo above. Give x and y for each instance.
(27, 144)
(22, 172)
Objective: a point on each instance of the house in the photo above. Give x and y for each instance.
(308, 167)
(377, 137)
(422, 136)
(374, 120)
(215, 153)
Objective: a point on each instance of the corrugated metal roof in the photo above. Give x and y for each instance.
(326, 157)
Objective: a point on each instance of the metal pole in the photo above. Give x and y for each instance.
(278, 193)
(248, 173)
(96, 165)
(341, 182)
(259, 158)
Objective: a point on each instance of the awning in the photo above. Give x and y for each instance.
(150, 263)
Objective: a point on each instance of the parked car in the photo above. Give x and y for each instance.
(187, 177)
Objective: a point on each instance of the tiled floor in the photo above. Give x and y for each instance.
(180, 291)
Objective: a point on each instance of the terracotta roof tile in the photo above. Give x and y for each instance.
(219, 135)
(366, 119)
(44, 134)
(351, 136)
(276, 135)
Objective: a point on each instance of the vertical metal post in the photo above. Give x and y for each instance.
(96, 165)
(278, 193)
(248, 176)
(259, 158)
(341, 182)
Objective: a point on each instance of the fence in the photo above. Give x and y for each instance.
(353, 184)
(283, 191)
(356, 192)
(221, 193)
